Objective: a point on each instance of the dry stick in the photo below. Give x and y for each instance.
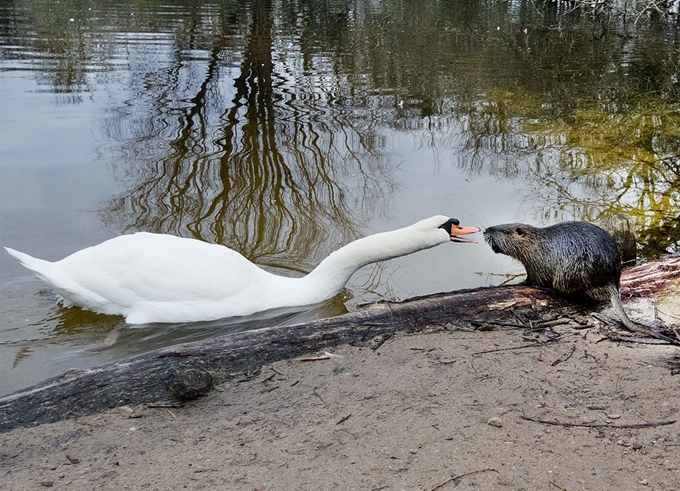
(561, 360)
(532, 345)
(453, 478)
(514, 312)
(558, 486)
(675, 331)
(268, 378)
(599, 425)
(629, 339)
(314, 358)
(633, 327)
(320, 398)
(502, 324)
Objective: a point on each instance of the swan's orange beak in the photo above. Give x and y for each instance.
(457, 230)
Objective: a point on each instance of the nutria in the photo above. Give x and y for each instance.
(569, 257)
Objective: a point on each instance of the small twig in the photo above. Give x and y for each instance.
(675, 331)
(522, 321)
(381, 341)
(247, 377)
(453, 478)
(640, 328)
(555, 322)
(599, 425)
(268, 378)
(171, 413)
(532, 345)
(630, 339)
(649, 332)
(314, 358)
(344, 419)
(502, 324)
(320, 398)
(558, 486)
(72, 460)
(560, 360)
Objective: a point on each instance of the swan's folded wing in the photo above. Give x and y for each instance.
(160, 268)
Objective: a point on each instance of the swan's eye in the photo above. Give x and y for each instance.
(449, 223)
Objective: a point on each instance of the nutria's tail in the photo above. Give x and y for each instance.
(630, 325)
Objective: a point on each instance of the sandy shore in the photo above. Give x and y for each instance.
(433, 411)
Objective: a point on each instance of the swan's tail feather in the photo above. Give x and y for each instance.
(68, 291)
(40, 267)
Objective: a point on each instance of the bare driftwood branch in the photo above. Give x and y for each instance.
(187, 371)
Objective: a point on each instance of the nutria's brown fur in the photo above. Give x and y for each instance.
(569, 257)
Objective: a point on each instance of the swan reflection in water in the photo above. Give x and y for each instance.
(84, 337)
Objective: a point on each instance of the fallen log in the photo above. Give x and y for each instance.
(188, 370)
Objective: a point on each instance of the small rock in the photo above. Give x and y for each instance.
(125, 411)
(644, 482)
(187, 384)
(620, 442)
(495, 422)
(613, 416)
(47, 484)
(637, 446)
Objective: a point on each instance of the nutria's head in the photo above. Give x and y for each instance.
(516, 240)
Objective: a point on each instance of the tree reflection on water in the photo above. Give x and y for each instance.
(259, 168)
(264, 126)
(260, 125)
(270, 127)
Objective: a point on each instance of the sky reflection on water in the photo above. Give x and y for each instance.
(286, 130)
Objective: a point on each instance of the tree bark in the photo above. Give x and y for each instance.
(187, 371)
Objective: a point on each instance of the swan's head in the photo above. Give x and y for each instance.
(441, 223)
(453, 227)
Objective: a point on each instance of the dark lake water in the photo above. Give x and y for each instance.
(287, 129)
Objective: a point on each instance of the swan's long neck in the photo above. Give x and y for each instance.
(328, 278)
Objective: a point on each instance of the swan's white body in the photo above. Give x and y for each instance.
(163, 278)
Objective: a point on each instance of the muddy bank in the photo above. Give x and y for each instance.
(432, 411)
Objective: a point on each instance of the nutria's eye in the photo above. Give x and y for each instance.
(520, 232)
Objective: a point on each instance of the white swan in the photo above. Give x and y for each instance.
(162, 278)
